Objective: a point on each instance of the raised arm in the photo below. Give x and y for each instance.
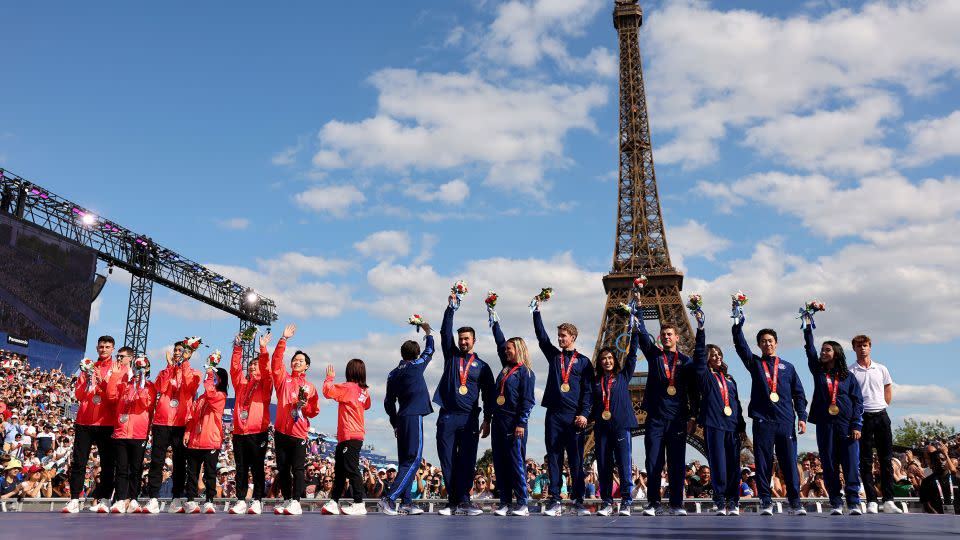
(331, 390)
(447, 345)
(210, 385)
(236, 363)
(630, 361)
(700, 352)
(543, 339)
(501, 341)
(277, 370)
(813, 359)
(647, 344)
(741, 345)
(427, 353)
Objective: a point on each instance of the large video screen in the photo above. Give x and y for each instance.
(46, 288)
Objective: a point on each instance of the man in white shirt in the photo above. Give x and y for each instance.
(877, 387)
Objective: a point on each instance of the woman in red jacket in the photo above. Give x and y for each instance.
(135, 396)
(354, 398)
(252, 389)
(203, 439)
(297, 403)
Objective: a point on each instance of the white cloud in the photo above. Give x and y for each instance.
(455, 37)
(693, 239)
(876, 203)
(332, 200)
(427, 243)
(713, 70)
(287, 156)
(436, 121)
(385, 245)
(933, 139)
(234, 224)
(830, 140)
(922, 395)
(452, 192)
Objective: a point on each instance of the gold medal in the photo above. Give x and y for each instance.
(564, 387)
(606, 415)
(672, 390)
(774, 397)
(728, 411)
(833, 409)
(463, 390)
(501, 400)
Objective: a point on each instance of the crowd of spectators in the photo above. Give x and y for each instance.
(37, 410)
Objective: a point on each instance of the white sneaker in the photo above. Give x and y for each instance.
(191, 507)
(469, 509)
(553, 509)
(581, 510)
(520, 510)
(278, 509)
(240, 507)
(624, 510)
(678, 512)
(410, 509)
(175, 506)
(733, 511)
(605, 510)
(119, 507)
(855, 510)
(256, 507)
(100, 507)
(890, 507)
(134, 507)
(331, 509)
(650, 511)
(209, 508)
(872, 507)
(387, 507)
(766, 510)
(71, 507)
(292, 508)
(446, 510)
(798, 511)
(152, 507)
(502, 510)
(720, 512)
(355, 509)
(836, 511)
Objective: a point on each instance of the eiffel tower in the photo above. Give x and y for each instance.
(640, 245)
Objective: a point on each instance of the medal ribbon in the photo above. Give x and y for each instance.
(670, 372)
(832, 385)
(565, 369)
(772, 382)
(724, 391)
(251, 388)
(503, 381)
(465, 372)
(605, 392)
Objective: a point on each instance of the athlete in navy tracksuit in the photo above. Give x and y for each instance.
(837, 410)
(458, 426)
(666, 402)
(721, 431)
(614, 419)
(568, 402)
(511, 413)
(776, 401)
(406, 403)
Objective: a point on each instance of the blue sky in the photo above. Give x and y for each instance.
(351, 163)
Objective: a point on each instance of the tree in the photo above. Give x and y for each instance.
(485, 460)
(914, 433)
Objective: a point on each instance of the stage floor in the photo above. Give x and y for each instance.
(428, 527)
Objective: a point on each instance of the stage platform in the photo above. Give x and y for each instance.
(47, 525)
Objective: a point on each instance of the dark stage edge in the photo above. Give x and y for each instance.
(44, 525)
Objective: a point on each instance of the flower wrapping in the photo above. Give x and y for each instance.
(491, 302)
(807, 311)
(416, 320)
(248, 333)
(738, 299)
(695, 303)
(545, 294)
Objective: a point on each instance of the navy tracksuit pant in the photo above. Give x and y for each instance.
(723, 454)
(838, 449)
(668, 435)
(409, 449)
(768, 436)
(458, 436)
(562, 436)
(614, 447)
(509, 458)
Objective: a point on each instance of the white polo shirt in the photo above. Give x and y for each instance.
(872, 380)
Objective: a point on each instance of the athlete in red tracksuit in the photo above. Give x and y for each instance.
(252, 388)
(204, 438)
(135, 397)
(94, 426)
(297, 403)
(353, 398)
(176, 385)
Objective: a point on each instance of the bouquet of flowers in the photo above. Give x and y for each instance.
(459, 289)
(248, 333)
(416, 320)
(213, 360)
(89, 367)
(192, 343)
(695, 303)
(491, 302)
(625, 308)
(808, 309)
(545, 294)
(141, 364)
(639, 283)
(738, 299)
